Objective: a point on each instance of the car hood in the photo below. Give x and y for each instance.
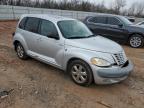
(97, 43)
(136, 28)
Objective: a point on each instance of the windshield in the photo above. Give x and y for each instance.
(126, 21)
(72, 29)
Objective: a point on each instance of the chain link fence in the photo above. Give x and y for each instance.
(14, 12)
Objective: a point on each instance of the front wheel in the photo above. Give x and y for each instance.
(136, 41)
(80, 72)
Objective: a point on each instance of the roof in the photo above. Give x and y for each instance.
(110, 15)
(52, 18)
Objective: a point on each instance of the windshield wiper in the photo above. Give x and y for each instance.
(93, 35)
(76, 37)
(79, 37)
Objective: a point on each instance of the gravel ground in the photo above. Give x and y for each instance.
(37, 85)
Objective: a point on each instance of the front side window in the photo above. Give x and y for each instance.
(113, 21)
(125, 20)
(32, 24)
(48, 28)
(74, 29)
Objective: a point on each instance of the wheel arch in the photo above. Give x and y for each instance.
(15, 44)
(87, 64)
(131, 34)
(76, 58)
(18, 38)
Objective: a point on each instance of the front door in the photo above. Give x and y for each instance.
(30, 33)
(50, 47)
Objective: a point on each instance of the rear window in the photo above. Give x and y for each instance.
(22, 23)
(99, 19)
(32, 24)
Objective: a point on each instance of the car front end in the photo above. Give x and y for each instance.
(106, 72)
(106, 58)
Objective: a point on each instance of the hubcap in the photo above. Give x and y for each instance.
(79, 73)
(135, 41)
(20, 51)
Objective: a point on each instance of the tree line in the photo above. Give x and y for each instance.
(117, 7)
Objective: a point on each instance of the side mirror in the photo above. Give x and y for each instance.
(120, 25)
(53, 35)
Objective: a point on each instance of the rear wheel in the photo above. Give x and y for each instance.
(80, 72)
(136, 41)
(21, 52)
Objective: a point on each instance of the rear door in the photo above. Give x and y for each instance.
(115, 29)
(98, 25)
(30, 33)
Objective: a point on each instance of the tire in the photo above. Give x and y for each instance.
(136, 41)
(80, 72)
(21, 52)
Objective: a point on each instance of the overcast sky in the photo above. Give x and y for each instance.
(109, 2)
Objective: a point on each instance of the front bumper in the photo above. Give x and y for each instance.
(112, 74)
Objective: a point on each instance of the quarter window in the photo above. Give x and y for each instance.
(48, 28)
(22, 23)
(113, 21)
(32, 24)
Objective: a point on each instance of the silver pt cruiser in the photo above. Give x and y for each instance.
(69, 45)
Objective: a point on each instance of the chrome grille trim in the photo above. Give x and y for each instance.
(120, 58)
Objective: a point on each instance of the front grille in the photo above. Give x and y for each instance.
(120, 58)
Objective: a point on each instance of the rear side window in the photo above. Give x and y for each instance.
(92, 19)
(47, 28)
(113, 21)
(99, 19)
(32, 24)
(22, 23)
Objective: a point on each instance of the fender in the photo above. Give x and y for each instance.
(20, 38)
(84, 55)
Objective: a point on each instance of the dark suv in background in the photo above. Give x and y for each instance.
(117, 28)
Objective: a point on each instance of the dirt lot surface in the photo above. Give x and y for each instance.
(37, 85)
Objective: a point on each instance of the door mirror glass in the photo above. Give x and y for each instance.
(120, 25)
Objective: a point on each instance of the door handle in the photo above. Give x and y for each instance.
(60, 44)
(39, 39)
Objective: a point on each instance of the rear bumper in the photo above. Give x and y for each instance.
(111, 75)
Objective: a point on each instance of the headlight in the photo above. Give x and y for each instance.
(100, 62)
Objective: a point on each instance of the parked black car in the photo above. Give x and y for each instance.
(117, 28)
